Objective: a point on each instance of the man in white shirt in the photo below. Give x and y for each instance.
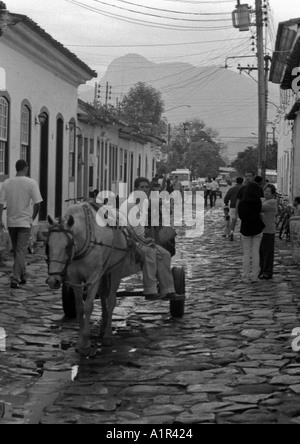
(177, 185)
(18, 194)
(157, 260)
(214, 189)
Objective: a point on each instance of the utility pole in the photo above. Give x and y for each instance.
(242, 21)
(97, 96)
(108, 93)
(262, 102)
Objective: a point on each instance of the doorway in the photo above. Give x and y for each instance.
(79, 167)
(59, 168)
(44, 162)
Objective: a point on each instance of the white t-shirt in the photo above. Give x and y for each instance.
(214, 186)
(18, 194)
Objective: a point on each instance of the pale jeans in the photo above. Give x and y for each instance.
(157, 267)
(20, 238)
(251, 256)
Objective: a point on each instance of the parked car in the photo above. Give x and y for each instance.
(223, 183)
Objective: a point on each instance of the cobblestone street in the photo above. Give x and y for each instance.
(229, 360)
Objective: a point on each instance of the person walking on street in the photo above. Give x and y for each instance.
(231, 197)
(252, 226)
(207, 191)
(177, 185)
(267, 248)
(214, 189)
(169, 186)
(249, 178)
(226, 222)
(18, 194)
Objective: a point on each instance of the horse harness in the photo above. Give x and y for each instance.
(89, 244)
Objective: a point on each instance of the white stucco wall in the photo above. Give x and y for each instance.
(285, 150)
(42, 89)
(296, 159)
(109, 134)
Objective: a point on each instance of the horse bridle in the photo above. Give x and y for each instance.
(72, 254)
(70, 249)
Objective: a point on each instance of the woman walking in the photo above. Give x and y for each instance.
(267, 249)
(252, 226)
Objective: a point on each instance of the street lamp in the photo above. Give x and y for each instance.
(176, 107)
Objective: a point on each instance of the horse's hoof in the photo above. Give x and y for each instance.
(86, 352)
(107, 342)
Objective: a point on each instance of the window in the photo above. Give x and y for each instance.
(106, 166)
(92, 146)
(72, 138)
(139, 170)
(2, 79)
(25, 134)
(102, 166)
(3, 136)
(98, 164)
(125, 166)
(147, 167)
(121, 164)
(153, 167)
(131, 170)
(114, 165)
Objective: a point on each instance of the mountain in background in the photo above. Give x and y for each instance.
(222, 98)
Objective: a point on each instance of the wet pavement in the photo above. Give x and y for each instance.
(229, 360)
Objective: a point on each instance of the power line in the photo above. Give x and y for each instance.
(155, 45)
(146, 23)
(175, 12)
(147, 14)
(211, 2)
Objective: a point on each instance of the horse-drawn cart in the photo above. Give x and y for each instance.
(89, 261)
(177, 303)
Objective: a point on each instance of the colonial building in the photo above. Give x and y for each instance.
(38, 107)
(111, 153)
(72, 148)
(286, 60)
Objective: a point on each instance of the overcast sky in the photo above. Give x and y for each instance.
(211, 39)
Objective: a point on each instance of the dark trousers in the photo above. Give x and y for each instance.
(213, 198)
(267, 253)
(208, 194)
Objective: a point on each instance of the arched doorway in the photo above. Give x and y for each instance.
(44, 162)
(59, 167)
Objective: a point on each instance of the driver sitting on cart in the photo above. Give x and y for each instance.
(156, 260)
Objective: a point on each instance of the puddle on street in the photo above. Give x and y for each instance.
(43, 394)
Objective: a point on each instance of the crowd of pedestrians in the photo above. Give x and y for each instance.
(249, 200)
(257, 208)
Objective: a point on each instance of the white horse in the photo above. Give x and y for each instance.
(90, 259)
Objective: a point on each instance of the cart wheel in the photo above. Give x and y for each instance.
(68, 300)
(177, 306)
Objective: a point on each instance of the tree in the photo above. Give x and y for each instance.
(193, 147)
(161, 168)
(248, 160)
(143, 106)
(272, 156)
